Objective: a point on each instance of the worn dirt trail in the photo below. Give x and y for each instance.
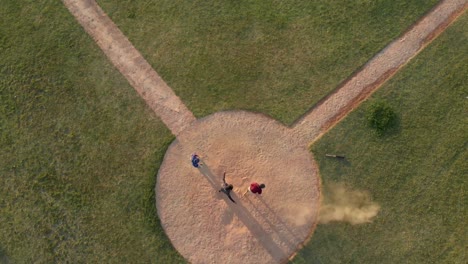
(202, 224)
(330, 110)
(131, 64)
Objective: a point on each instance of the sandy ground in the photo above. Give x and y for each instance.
(203, 225)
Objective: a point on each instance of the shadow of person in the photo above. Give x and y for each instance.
(213, 180)
(277, 224)
(244, 216)
(256, 229)
(279, 219)
(238, 209)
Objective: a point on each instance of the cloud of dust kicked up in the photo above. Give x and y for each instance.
(342, 204)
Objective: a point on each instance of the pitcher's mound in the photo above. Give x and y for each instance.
(204, 225)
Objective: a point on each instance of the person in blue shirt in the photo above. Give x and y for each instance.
(195, 159)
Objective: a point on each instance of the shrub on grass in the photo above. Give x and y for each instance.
(381, 117)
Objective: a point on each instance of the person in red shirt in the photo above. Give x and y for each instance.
(255, 188)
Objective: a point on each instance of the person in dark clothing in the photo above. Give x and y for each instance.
(195, 159)
(227, 188)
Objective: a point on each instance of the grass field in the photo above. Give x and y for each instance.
(274, 57)
(79, 149)
(417, 173)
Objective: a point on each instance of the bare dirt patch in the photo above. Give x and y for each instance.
(204, 225)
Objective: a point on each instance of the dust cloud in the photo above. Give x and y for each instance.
(345, 205)
(299, 215)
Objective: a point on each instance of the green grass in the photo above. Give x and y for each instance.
(79, 149)
(274, 57)
(417, 174)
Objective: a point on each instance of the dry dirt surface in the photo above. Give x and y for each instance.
(204, 225)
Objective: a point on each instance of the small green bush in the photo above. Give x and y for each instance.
(381, 117)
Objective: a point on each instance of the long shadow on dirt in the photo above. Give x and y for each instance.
(248, 219)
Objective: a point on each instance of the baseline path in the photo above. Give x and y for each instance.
(329, 111)
(202, 224)
(139, 73)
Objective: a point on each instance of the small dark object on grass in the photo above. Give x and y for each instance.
(335, 156)
(381, 117)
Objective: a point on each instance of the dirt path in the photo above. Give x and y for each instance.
(202, 224)
(329, 111)
(131, 64)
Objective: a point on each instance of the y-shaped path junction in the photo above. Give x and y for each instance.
(203, 225)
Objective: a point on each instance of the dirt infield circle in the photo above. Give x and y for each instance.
(206, 227)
